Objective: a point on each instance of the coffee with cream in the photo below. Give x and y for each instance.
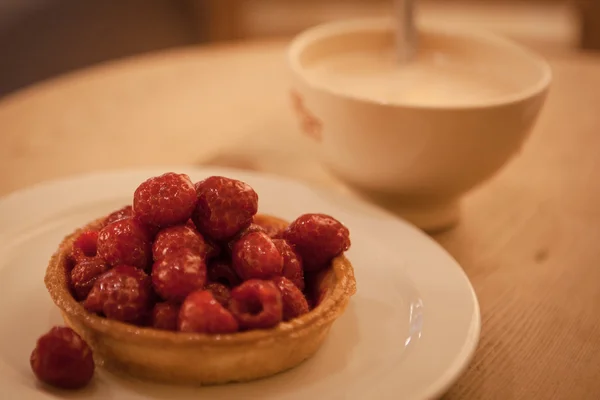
(437, 76)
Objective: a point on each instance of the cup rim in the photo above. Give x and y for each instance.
(319, 32)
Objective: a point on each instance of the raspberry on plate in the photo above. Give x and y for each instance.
(84, 274)
(165, 200)
(201, 313)
(255, 256)
(318, 238)
(292, 263)
(179, 274)
(225, 206)
(85, 246)
(256, 304)
(294, 302)
(176, 238)
(62, 359)
(125, 242)
(164, 316)
(124, 293)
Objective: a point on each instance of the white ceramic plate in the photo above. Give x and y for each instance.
(408, 333)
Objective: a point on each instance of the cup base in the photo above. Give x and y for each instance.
(429, 217)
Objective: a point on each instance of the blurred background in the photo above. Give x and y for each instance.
(40, 39)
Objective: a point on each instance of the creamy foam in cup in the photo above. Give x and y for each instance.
(438, 75)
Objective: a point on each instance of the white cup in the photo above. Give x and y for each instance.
(417, 159)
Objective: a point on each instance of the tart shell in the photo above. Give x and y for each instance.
(201, 359)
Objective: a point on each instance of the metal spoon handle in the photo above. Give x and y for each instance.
(406, 32)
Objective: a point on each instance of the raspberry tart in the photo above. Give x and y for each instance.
(190, 285)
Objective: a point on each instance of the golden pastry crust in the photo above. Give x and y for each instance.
(192, 358)
(274, 223)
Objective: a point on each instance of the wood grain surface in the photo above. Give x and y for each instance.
(527, 239)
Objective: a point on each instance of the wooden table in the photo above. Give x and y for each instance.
(528, 238)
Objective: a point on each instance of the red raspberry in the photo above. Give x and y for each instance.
(151, 230)
(125, 212)
(251, 228)
(314, 292)
(84, 275)
(62, 359)
(222, 272)
(176, 238)
(292, 263)
(294, 302)
(70, 264)
(212, 249)
(125, 242)
(165, 200)
(220, 292)
(256, 304)
(255, 256)
(201, 313)
(124, 293)
(272, 226)
(179, 274)
(225, 206)
(85, 246)
(164, 316)
(318, 238)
